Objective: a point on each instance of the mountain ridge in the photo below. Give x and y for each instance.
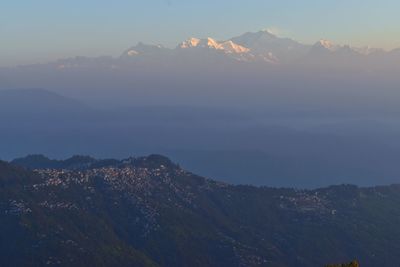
(145, 212)
(261, 47)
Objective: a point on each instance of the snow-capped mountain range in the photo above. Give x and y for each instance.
(259, 47)
(262, 46)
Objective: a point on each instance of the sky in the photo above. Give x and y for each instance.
(34, 31)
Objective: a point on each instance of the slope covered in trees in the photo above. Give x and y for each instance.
(149, 212)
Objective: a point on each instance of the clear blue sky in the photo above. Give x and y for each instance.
(41, 30)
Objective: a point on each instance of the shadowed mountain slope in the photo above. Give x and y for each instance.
(148, 211)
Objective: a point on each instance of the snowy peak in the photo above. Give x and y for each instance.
(267, 32)
(200, 43)
(190, 43)
(367, 50)
(328, 45)
(228, 47)
(143, 49)
(210, 43)
(252, 39)
(264, 44)
(231, 47)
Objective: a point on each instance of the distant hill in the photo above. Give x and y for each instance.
(42, 162)
(37, 101)
(232, 145)
(147, 211)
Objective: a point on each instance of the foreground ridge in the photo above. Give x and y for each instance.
(147, 211)
(351, 264)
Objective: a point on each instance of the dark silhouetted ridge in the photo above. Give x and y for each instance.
(146, 211)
